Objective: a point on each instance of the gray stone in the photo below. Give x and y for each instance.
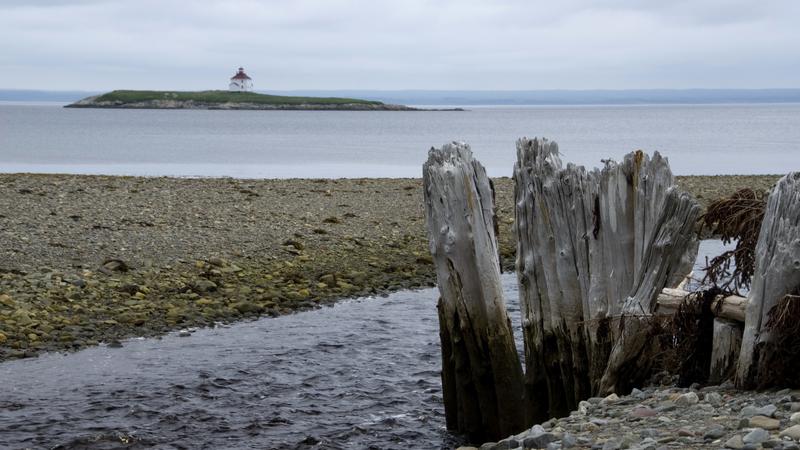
(568, 441)
(612, 398)
(649, 433)
(665, 406)
(642, 411)
(735, 443)
(687, 399)
(767, 411)
(765, 423)
(714, 432)
(757, 436)
(792, 432)
(748, 411)
(539, 440)
(612, 444)
(713, 398)
(505, 444)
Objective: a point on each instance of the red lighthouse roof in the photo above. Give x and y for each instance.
(240, 75)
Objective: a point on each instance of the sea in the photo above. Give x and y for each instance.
(697, 139)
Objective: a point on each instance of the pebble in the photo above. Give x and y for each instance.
(613, 398)
(735, 443)
(792, 432)
(765, 423)
(687, 399)
(643, 411)
(766, 411)
(713, 398)
(757, 436)
(539, 440)
(715, 432)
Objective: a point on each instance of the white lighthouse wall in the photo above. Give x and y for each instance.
(240, 85)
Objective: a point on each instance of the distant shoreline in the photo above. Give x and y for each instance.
(497, 97)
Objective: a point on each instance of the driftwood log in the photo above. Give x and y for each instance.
(481, 371)
(730, 307)
(595, 248)
(777, 273)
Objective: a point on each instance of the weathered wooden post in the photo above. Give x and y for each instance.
(481, 371)
(777, 273)
(725, 349)
(595, 248)
(666, 244)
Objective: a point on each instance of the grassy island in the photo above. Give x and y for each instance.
(224, 100)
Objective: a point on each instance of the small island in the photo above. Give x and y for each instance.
(228, 100)
(239, 95)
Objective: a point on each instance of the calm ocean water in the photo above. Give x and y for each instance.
(698, 139)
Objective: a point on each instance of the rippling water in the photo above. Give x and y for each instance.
(360, 374)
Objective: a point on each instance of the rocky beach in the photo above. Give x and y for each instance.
(86, 260)
(670, 418)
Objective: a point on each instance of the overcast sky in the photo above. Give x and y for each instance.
(408, 44)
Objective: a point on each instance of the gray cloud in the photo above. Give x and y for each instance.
(423, 44)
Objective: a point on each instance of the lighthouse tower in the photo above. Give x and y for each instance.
(240, 82)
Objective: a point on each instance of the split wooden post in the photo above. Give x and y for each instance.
(777, 273)
(482, 375)
(593, 246)
(666, 242)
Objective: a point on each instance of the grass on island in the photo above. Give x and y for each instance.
(126, 96)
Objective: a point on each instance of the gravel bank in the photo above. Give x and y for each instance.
(671, 418)
(90, 259)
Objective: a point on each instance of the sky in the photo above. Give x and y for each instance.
(100, 45)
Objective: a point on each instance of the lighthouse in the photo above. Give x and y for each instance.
(241, 82)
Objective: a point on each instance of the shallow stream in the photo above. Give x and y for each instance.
(361, 374)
